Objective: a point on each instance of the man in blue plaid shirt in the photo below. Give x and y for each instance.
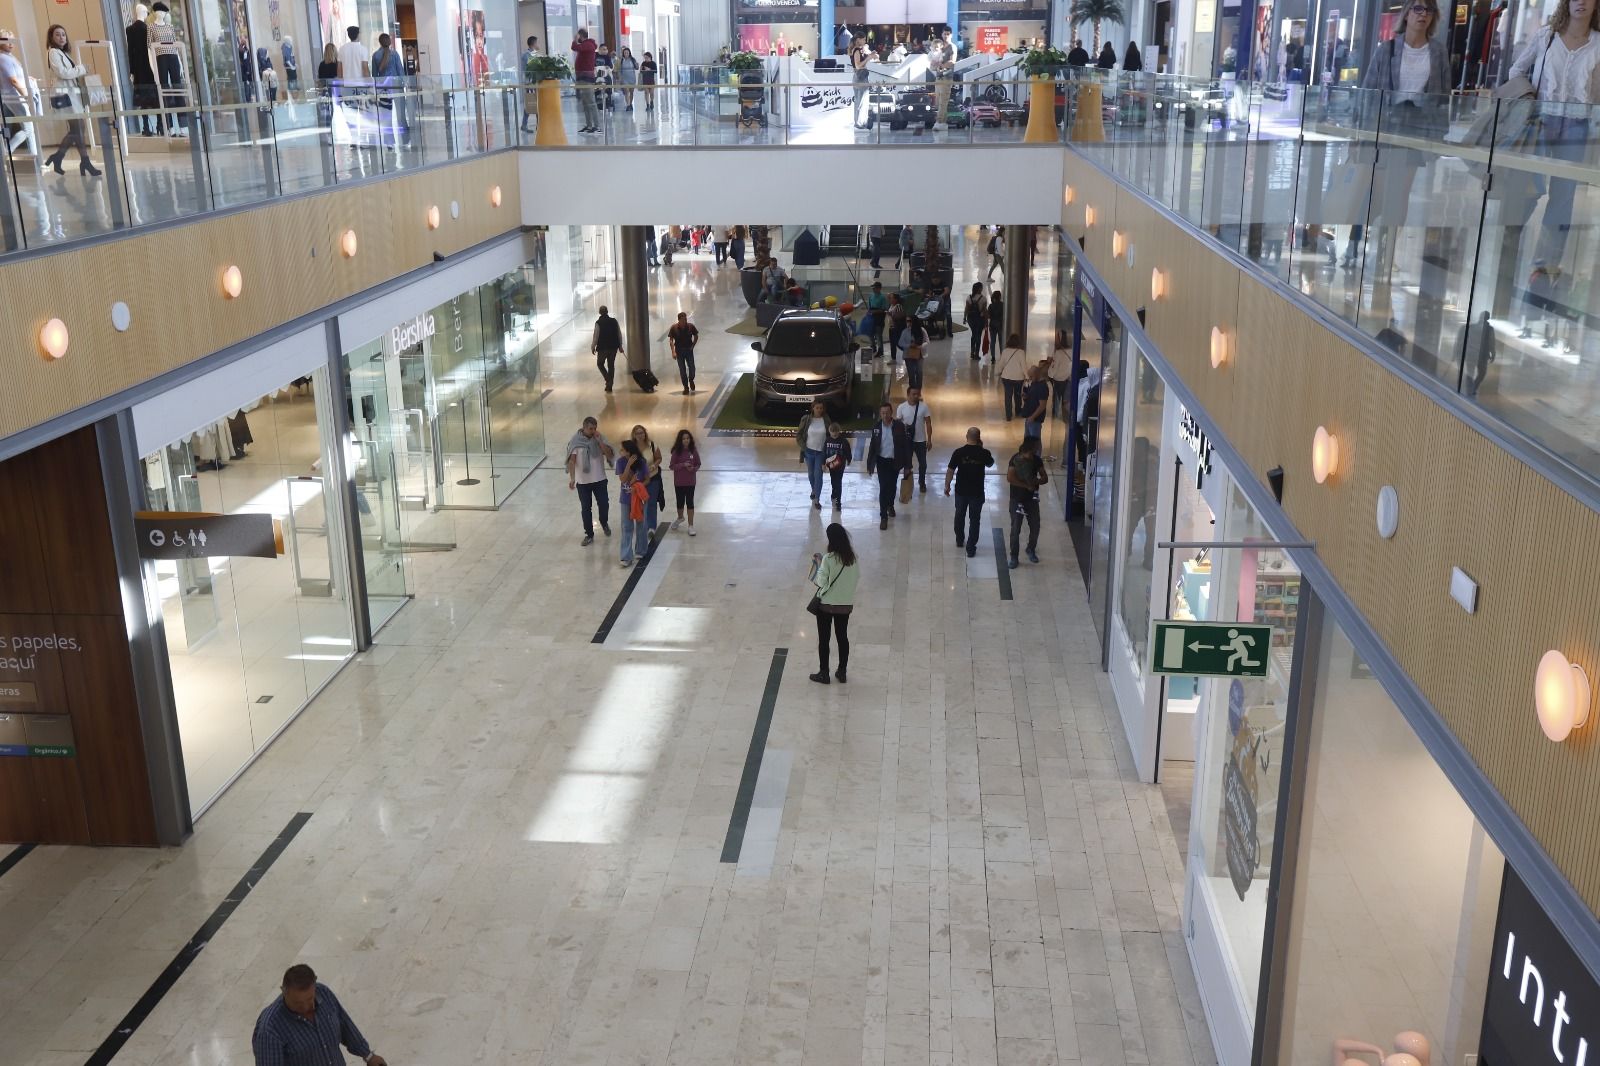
(306, 1026)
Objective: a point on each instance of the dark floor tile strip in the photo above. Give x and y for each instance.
(1002, 567)
(191, 951)
(752, 760)
(628, 586)
(17, 855)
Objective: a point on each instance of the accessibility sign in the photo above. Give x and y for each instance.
(194, 535)
(1210, 649)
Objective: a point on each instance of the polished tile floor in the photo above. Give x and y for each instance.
(514, 850)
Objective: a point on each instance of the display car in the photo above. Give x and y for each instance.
(982, 114)
(955, 116)
(1196, 105)
(806, 355)
(915, 107)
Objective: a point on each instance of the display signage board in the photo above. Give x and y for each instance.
(181, 535)
(16, 694)
(1543, 1005)
(775, 5)
(1209, 649)
(1190, 432)
(13, 739)
(1008, 6)
(992, 39)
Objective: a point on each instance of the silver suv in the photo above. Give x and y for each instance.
(805, 356)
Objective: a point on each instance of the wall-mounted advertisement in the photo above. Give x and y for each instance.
(777, 38)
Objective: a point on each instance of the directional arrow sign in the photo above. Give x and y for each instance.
(1210, 649)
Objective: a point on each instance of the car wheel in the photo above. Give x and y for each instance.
(896, 124)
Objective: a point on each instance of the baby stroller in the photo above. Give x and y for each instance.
(932, 314)
(752, 110)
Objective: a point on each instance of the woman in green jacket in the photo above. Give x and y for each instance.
(836, 576)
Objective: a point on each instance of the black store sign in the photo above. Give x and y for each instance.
(1543, 1005)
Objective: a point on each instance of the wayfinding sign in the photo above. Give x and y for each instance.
(1209, 649)
(189, 535)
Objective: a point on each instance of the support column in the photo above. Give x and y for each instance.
(635, 297)
(1017, 267)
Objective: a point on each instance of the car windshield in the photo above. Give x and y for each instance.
(807, 337)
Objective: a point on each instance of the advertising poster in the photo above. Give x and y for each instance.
(475, 47)
(991, 39)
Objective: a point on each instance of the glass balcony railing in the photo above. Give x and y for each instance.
(121, 168)
(1460, 232)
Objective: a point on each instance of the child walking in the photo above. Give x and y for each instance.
(685, 462)
(835, 457)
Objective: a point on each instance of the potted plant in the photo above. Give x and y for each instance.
(1041, 64)
(547, 73)
(743, 61)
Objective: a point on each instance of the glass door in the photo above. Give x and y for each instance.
(376, 438)
(1100, 469)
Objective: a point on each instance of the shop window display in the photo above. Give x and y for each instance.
(1397, 886)
(1142, 530)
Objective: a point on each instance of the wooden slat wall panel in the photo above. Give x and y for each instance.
(1464, 502)
(181, 316)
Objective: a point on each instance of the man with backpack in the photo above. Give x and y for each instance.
(997, 254)
(606, 344)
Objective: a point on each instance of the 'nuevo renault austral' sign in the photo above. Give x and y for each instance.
(1543, 1005)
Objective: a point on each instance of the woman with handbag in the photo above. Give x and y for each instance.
(633, 479)
(66, 94)
(652, 476)
(835, 576)
(975, 316)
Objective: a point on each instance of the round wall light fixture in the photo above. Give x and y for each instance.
(1388, 512)
(433, 216)
(494, 196)
(232, 283)
(1068, 195)
(1560, 696)
(1119, 243)
(1088, 216)
(121, 317)
(455, 209)
(53, 339)
(1324, 455)
(1158, 284)
(1221, 347)
(348, 243)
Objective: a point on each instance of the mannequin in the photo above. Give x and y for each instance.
(169, 59)
(1411, 1048)
(291, 66)
(140, 72)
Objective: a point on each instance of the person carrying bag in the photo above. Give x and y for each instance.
(834, 576)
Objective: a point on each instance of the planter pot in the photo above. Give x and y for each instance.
(551, 130)
(1088, 121)
(1041, 110)
(750, 285)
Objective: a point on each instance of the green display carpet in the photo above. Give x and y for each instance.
(735, 411)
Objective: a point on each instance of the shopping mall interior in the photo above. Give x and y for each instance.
(1203, 449)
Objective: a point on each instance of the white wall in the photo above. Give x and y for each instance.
(1004, 185)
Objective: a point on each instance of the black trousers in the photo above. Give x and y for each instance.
(1024, 509)
(606, 360)
(590, 496)
(686, 367)
(837, 477)
(840, 625)
(888, 484)
(919, 448)
(969, 512)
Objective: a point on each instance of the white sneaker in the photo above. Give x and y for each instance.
(676, 522)
(691, 531)
(624, 562)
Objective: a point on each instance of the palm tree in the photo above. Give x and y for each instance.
(1097, 11)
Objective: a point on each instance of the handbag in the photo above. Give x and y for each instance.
(61, 101)
(816, 606)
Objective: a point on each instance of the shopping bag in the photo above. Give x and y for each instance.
(905, 488)
(985, 339)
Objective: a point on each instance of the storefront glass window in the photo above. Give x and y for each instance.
(1397, 886)
(1144, 491)
(250, 639)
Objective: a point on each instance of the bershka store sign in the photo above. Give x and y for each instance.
(1543, 1005)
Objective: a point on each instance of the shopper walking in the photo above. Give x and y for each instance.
(915, 415)
(878, 312)
(812, 436)
(997, 324)
(836, 455)
(1060, 375)
(835, 575)
(875, 247)
(859, 75)
(1024, 474)
(1013, 371)
(968, 468)
(888, 453)
(736, 247)
(651, 250)
(647, 82)
(66, 94)
(652, 457)
(719, 244)
(584, 52)
(15, 96)
(606, 344)
(627, 76)
(1035, 405)
(997, 254)
(307, 1023)
(906, 246)
(682, 338)
(685, 463)
(975, 316)
(914, 340)
(588, 456)
(633, 477)
(897, 323)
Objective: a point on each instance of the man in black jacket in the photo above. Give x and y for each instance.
(606, 346)
(888, 453)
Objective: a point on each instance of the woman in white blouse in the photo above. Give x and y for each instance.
(1563, 65)
(66, 94)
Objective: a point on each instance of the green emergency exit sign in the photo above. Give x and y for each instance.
(1210, 649)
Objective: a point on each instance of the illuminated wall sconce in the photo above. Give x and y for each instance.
(455, 208)
(1560, 696)
(53, 338)
(494, 196)
(232, 283)
(1158, 284)
(1088, 216)
(1221, 347)
(347, 243)
(1324, 455)
(433, 217)
(1068, 194)
(1119, 243)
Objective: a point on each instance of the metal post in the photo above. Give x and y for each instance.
(108, 158)
(10, 235)
(197, 159)
(635, 297)
(1018, 276)
(344, 488)
(269, 167)
(449, 125)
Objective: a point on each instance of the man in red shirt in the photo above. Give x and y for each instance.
(583, 51)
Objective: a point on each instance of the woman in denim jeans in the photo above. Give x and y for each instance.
(632, 469)
(812, 437)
